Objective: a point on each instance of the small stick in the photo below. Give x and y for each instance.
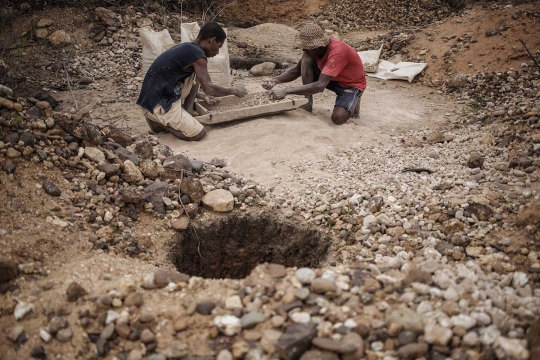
(532, 57)
(69, 85)
(418, 170)
(183, 207)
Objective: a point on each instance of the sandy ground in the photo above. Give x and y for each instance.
(265, 148)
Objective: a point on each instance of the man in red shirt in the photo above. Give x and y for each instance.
(327, 63)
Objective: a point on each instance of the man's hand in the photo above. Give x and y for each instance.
(278, 94)
(239, 91)
(210, 100)
(268, 84)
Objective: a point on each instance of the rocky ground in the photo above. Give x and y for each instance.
(429, 242)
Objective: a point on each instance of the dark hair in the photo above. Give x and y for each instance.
(211, 30)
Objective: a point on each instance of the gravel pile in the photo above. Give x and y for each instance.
(344, 16)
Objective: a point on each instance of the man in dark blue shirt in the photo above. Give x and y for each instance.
(171, 78)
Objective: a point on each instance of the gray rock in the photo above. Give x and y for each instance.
(296, 340)
(109, 169)
(475, 160)
(305, 275)
(51, 189)
(64, 335)
(217, 162)
(94, 154)
(251, 320)
(132, 174)
(56, 324)
(197, 166)
(334, 345)
(404, 316)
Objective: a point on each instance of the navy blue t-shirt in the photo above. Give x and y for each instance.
(165, 77)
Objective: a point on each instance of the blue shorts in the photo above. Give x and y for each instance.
(346, 98)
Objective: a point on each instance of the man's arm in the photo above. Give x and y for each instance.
(308, 89)
(288, 76)
(209, 88)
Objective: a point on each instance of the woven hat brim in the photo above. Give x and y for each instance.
(310, 44)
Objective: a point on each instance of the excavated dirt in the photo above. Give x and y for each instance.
(232, 246)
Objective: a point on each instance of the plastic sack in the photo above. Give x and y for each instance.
(153, 44)
(370, 59)
(399, 71)
(219, 66)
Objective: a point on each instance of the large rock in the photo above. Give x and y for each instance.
(94, 154)
(132, 195)
(529, 214)
(481, 211)
(149, 169)
(296, 340)
(143, 148)
(163, 277)
(405, 317)
(132, 174)
(154, 195)
(264, 69)
(42, 23)
(219, 200)
(106, 16)
(174, 166)
(475, 160)
(120, 137)
(75, 291)
(193, 188)
(109, 169)
(59, 38)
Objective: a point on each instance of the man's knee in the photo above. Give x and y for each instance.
(340, 116)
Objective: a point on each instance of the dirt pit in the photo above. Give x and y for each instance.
(232, 246)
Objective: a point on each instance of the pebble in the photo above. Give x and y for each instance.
(334, 346)
(251, 320)
(305, 275)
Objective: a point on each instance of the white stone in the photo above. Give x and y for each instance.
(300, 317)
(111, 316)
(511, 348)
(22, 309)
(233, 302)
(482, 319)
(228, 324)
(305, 275)
(489, 335)
(520, 280)
(45, 336)
(219, 200)
(463, 321)
(442, 280)
(471, 339)
(437, 335)
(94, 154)
(370, 221)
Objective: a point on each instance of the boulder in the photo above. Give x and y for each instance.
(60, 38)
(219, 200)
(264, 69)
(106, 16)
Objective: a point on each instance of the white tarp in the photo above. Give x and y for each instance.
(399, 71)
(370, 59)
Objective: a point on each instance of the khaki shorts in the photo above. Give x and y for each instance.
(177, 118)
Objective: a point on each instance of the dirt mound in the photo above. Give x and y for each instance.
(253, 12)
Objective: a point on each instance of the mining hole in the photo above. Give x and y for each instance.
(232, 246)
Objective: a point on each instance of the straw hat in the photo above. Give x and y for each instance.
(312, 36)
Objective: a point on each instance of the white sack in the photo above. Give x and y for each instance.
(153, 44)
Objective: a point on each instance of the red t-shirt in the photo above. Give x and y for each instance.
(344, 65)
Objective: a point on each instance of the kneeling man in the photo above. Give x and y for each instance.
(170, 81)
(327, 63)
